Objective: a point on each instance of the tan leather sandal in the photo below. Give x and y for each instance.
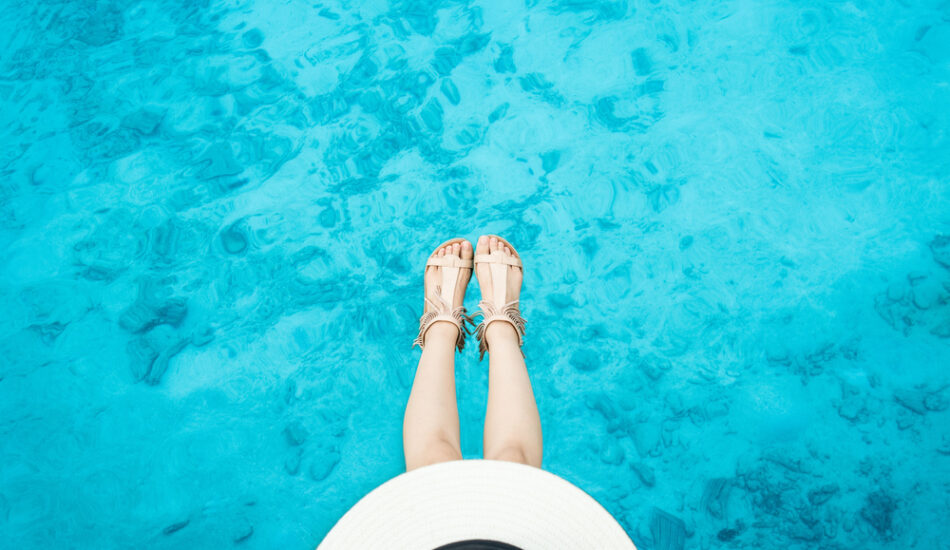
(441, 306)
(497, 307)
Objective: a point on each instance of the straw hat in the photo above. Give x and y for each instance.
(477, 500)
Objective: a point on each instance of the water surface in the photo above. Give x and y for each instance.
(734, 216)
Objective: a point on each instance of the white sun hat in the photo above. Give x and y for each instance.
(477, 500)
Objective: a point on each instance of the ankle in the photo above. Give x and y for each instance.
(442, 331)
(501, 332)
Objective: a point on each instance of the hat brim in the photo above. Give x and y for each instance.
(477, 499)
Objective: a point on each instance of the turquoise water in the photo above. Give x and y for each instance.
(735, 218)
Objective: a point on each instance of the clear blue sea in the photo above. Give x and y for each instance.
(735, 218)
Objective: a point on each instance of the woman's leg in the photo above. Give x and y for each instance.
(512, 422)
(431, 426)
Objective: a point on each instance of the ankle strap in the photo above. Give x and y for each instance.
(509, 313)
(441, 311)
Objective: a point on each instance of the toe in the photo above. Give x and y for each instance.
(466, 249)
(456, 249)
(483, 245)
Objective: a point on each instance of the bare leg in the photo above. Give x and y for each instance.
(431, 425)
(512, 422)
(430, 430)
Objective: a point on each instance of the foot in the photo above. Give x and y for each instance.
(487, 245)
(433, 278)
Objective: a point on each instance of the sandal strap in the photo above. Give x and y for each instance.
(449, 261)
(497, 258)
(509, 313)
(442, 311)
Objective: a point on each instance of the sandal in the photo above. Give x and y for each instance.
(441, 307)
(497, 307)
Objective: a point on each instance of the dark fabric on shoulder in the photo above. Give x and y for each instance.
(478, 545)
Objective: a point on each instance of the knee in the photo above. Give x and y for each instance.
(433, 453)
(512, 454)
